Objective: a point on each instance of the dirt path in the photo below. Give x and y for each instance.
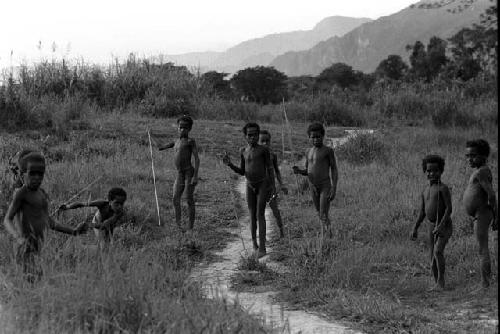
(216, 278)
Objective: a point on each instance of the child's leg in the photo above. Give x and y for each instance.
(439, 259)
(262, 196)
(432, 242)
(273, 204)
(483, 219)
(315, 195)
(177, 194)
(190, 200)
(324, 208)
(252, 209)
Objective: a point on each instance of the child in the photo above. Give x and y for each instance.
(108, 216)
(265, 140)
(28, 214)
(321, 170)
(256, 165)
(436, 207)
(14, 167)
(480, 201)
(187, 175)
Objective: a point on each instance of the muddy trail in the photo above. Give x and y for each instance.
(215, 278)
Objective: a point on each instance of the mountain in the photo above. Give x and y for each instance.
(260, 51)
(365, 47)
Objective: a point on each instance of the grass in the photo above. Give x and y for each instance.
(142, 284)
(370, 272)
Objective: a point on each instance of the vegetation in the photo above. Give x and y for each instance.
(86, 119)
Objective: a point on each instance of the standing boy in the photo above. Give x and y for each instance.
(28, 215)
(187, 176)
(108, 216)
(480, 201)
(321, 170)
(256, 165)
(435, 205)
(265, 140)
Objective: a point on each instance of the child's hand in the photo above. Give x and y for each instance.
(62, 207)
(194, 180)
(226, 160)
(284, 190)
(331, 195)
(295, 169)
(414, 234)
(81, 228)
(494, 224)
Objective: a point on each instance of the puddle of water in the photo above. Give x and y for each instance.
(215, 279)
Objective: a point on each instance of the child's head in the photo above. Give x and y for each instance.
(264, 138)
(477, 152)
(32, 168)
(433, 166)
(184, 125)
(117, 197)
(15, 166)
(251, 132)
(316, 133)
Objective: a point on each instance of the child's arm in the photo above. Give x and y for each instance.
(268, 160)
(13, 209)
(54, 225)
(278, 174)
(196, 157)
(164, 147)
(334, 174)
(420, 218)
(297, 170)
(76, 205)
(485, 180)
(446, 195)
(111, 221)
(227, 161)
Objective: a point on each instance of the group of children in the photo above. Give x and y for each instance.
(28, 214)
(479, 200)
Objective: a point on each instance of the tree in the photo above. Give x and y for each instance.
(215, 83)
(392, 67)
(340, 74)
(261, 84)
(426, 63)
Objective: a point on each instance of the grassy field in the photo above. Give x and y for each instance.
(141, 285)
(369, 274)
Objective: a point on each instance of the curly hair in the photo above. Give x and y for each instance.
(250, 125)
(482, 146)
(433, 158)
(115, 192)
(316, 127)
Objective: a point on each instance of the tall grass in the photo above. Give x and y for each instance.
(163, 90)
(369, 266)
(140, 285)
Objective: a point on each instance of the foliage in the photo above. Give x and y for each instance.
(427, 62)
(339, 74)
(393, 67)
(261, 84)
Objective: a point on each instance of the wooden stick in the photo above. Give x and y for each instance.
(154, 178)
(290, 142)
(78, 193)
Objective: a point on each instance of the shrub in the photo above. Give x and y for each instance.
(363, 149)
(326, 109)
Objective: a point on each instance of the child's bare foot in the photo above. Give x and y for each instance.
(255, 245)
(437, 288)
(261, 253)
(282, 234)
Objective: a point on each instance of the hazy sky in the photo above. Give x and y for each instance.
(100, 29)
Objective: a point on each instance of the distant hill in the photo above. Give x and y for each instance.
(366, 46)
(261, 51)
